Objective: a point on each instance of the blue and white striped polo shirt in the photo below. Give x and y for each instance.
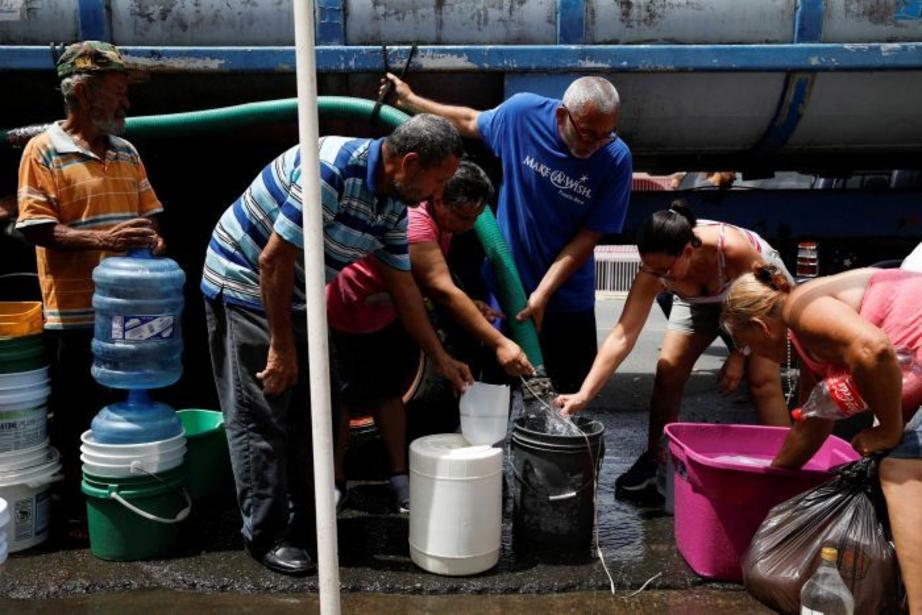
(356, 221)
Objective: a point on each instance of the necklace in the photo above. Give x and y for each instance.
(788, 370)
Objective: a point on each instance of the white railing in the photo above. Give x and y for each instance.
(615, 268)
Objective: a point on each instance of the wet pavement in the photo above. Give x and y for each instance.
(637, 543)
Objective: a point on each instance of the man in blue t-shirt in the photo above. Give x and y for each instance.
(566, 182)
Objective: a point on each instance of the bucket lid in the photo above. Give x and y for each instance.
(450, 456)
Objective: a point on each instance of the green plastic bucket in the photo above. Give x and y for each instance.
(207, 461)
(135, 518)
(21, 354)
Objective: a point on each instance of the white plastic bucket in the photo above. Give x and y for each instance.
(484, 410)
(24, 458)
(455, 505)
(23, 429)
(19, 398)
(29, 378)
(139, 448)
(26, 491)
(99, 455)
(132, 467)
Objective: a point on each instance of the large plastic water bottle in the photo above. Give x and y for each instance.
(137, 419)
(825, 593)
(138, 336)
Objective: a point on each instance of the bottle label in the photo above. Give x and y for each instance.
(140, 328)
(844, 393)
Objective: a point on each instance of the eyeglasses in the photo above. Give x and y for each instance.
(662, 272)
(587, 136)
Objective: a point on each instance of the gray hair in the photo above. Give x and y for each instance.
(69, 87)
(596, 90)
(431, 137)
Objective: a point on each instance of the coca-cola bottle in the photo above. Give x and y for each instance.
(837, 396)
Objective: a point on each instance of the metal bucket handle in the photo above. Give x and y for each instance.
(180, 516)
(552, 497)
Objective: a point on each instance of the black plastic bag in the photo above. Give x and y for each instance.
(847, 512)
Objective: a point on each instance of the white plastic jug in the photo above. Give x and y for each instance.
(455, 505)
(484, 412)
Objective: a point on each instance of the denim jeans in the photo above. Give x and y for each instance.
(269, 437)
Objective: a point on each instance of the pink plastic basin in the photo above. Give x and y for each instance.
(724, 488)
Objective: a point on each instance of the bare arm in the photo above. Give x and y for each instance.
(432, 275)
(618, 344)
(571, 258)
(835, 333)
(804, 439)
(409, 304)
(463, 118)
(276, 284)
(134, 233)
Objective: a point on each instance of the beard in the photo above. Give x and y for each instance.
(408, 194)
(108, 124)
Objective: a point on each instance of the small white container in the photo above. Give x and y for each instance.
(26, 491)
(484, 410)
(455, 505)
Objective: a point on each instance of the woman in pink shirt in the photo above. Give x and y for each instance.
(371, 349)
(858, 321)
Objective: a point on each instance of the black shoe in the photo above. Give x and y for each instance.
(640, 478)
(284, 558)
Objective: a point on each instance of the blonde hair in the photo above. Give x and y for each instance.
(754, 295)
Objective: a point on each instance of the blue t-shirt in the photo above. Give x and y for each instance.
(548, 195)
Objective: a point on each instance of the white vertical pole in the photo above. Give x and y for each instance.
(314, 274)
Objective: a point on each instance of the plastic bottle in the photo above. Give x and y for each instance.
(137, 341)
(837, 396)
(825, 593)
(137, 419)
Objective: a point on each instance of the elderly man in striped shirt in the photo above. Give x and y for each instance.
(253, 282)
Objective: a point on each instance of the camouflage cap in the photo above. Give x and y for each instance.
(90, 57)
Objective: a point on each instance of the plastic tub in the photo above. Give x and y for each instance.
(18, 318)
(26, 491)
(23, 429)
(484, 410)
(208, 469)
(724, 488)
(28, 378)
(455, 505)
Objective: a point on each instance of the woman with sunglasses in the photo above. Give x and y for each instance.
(695, 260)
(867, 322)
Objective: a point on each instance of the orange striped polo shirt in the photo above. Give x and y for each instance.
(63, 183)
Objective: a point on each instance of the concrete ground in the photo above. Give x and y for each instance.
(637, 543)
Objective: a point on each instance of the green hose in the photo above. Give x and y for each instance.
(509, 289)
(511, 293)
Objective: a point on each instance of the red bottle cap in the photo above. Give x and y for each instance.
(798, 415)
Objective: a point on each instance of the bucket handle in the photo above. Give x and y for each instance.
(180, 516)
(551, 497)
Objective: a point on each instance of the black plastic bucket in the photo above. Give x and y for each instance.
(553, 497)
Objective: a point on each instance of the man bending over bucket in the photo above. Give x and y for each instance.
(253, 283)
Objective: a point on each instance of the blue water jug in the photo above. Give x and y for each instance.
(137, 342)
(135, 420)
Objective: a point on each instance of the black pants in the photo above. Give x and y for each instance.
(568, 343)
(75, 399)
(269, 437)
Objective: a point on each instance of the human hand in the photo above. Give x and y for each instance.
(402, 91)
(876, 439)
(571, 404)
(455, 372)
(488, 312)
(513, 360)
(731, 373)
(281, 372)
(134, 233)
(534, 309)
